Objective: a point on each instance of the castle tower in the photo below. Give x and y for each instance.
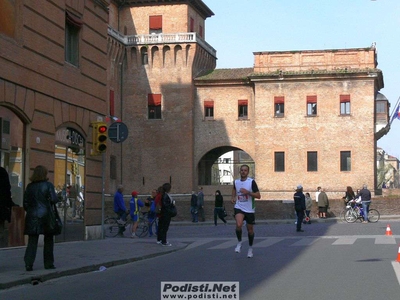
(155, 51)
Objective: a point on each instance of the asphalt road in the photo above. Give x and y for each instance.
(327, 261)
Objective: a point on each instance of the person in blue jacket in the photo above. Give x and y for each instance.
(120, 209)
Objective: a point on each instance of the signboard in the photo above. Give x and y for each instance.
(69, 137)
(118, 132)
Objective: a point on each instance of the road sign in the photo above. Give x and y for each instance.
(118, 132)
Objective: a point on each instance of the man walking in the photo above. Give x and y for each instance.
(244, 192)
(200, 205)
(299, 206)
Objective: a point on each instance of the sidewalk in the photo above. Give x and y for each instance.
(88, 256)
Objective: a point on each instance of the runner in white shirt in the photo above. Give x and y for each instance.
(244, 192)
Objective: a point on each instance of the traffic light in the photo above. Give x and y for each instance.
(99, 138)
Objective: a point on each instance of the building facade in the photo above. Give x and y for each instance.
(308, 117)
(53, 83)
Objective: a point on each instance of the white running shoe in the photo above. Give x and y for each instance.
(238, 247)
(166, 244)
(134, 235)
(250, 253)
(159, 242)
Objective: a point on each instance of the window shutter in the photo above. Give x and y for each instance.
(208, 103)
(112, 103)
(344, 98)
(155, 22)
(279, 99)
(311, 99)
(154, 100)
(242, 102)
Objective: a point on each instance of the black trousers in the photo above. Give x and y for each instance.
(31, 249)
(163, 226)
(300, 217)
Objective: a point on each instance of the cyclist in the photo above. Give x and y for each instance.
(135, 205)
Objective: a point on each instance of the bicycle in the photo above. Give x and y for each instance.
(356, 212)
(112, 226)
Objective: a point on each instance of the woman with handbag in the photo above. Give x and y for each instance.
(39, 200)
(219, 209)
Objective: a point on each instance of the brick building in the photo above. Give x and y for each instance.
(301, 116)
(53, 74)
(307, 117)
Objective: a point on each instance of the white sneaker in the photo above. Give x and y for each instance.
(133, 236)
(166, 244)
(121, 222)
(238, 247)
(159, 242)
(250, 253)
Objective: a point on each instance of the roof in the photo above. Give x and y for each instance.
(226, 74)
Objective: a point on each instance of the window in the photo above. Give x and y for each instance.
(279, 161)
(312, 161)
(113, 167)
(311, 105)
(344, 104)
(144, 56)
(345, 161)
(72, 28)
(191, 25)
(209, 109)
(243, 104)
(201, 31)
(111, 103)
(380, 107)
(154, 106)
(279, 103)
(155, 24)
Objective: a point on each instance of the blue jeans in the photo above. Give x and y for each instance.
(365, 206)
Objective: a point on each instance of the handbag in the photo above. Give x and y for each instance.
(58, 223)
(224, 213)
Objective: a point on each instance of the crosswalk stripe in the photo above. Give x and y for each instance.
(305, 242)
(268, 242)
(385, 240)
(228, 244)
(346, 240)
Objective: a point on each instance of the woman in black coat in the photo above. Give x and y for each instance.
(219, 207)
(39, 198)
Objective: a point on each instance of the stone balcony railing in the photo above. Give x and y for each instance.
(161, 38)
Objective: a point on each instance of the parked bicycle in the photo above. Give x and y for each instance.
(113, 224)
(355, 212)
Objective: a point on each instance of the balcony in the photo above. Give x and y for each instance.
(161, 38)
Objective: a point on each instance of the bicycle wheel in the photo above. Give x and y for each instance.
(373, 215)
(111, 227)
(342, 215)
(350, 216)
(142, 229)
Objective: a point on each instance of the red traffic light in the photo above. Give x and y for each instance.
(102, 129)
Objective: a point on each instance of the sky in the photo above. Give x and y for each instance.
(241, 27)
